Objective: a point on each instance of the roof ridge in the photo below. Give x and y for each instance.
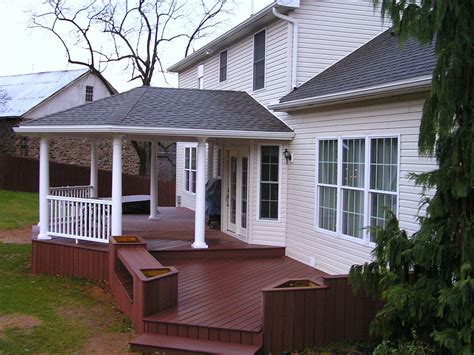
(136, 102)
(189, 89)
(45, 72)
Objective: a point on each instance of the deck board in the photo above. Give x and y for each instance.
(226, 294)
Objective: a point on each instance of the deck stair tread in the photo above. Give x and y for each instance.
(166, 342)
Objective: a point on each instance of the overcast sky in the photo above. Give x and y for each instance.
(25, 50)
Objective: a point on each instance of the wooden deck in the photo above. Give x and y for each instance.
(226, 293)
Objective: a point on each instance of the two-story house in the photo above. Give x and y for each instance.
(309, 113)
(349, 158)
(308, 166)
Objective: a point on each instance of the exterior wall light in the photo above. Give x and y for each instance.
(288, 156)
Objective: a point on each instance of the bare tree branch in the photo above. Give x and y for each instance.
(132, 32)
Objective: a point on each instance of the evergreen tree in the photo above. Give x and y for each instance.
(426, 280)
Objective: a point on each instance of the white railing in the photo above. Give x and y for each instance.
(72, 191)
(80, 218)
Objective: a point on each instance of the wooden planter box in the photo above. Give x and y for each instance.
(303, 313)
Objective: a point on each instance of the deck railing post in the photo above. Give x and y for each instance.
(153, 181)
(117, 186)
(200, 216)
(94, 172)
(44, 189)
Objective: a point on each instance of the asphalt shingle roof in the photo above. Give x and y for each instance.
(380, 61)
(171, 108)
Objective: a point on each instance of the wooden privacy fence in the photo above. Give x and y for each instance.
(22, 174)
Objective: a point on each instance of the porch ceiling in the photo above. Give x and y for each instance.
(151, 111)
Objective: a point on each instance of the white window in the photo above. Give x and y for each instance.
(357, 184)
(200, 76)
(89, 93)
(190, 169)
(269, 181)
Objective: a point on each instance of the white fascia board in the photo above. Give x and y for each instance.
(148, 131)
(410, 86)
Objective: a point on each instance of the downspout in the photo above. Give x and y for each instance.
(294, 59)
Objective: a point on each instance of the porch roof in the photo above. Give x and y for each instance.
(167, 111)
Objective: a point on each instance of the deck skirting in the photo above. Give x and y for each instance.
(68, 259)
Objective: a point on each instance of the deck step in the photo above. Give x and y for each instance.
(169, 344)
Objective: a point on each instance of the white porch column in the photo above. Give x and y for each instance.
(199, 222)
(94, 170)
(153, 182)
(43, 189)
(210, 161)
(117, 186)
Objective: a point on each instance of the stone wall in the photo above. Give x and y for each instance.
(8, 138)
(76, 151)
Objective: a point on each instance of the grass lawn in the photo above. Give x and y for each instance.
(44, 314)
(18, 209)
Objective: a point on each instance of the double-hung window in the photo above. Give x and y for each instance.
(357, 184)
(259, 60)
(223, 66)
(190, 169)
(269, 182)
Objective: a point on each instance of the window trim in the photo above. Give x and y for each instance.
(226, 69)
(191, 147)
(365, 240)
(87, 94)
(280, 169)
(200, 76)
(265, 58)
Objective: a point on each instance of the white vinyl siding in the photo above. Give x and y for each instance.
(398, 117)
(331, 29)
(240, 66)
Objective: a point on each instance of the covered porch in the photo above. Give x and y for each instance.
(204, 118)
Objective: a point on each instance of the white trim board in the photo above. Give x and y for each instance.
(147, 131)
(403, 87)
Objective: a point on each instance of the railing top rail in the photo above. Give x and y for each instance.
(70, 187)
(78, 199)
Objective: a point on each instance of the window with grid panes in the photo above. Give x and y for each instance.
(269, 181)
(348, 201)
(190, 169)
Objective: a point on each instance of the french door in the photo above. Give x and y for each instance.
(237, 193)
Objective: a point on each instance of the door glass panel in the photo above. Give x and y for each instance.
(233, 189)
(244, 193)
